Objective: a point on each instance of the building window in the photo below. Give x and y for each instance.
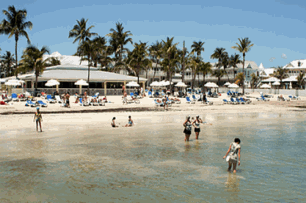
(299, 64)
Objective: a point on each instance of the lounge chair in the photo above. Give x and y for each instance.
(158, 104)
(264, 99)
(42, 104)
(225, 101)
(58, 99)
(195, 98)
(14, 97)
(30, 103)
(150, 94)
(239, 101)
(130, 99)
(94, 103)
(233, 101)
(50, 100)
(189, 101)
(246, 102)
(83, 103)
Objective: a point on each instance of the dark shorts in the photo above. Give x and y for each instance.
(197, 130)
(188, 132)
(67, 101)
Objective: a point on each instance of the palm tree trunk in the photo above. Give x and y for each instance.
(88, 74)
(154, 71)
(234, 75)
(16, 41)
(243, 74)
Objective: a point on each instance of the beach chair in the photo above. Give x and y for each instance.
(158, 104)
(42, 104)
(264, 99)
(239, 101)
(58, 99)
(189, 101)
(50, 100)
(83, 103)
(150, 94)
(14, 97)
(169, 102)
(246, 102)
(30, 103)
(195, 98)
(225, 101)
(233, 101)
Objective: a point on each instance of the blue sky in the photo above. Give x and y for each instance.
(275, 27)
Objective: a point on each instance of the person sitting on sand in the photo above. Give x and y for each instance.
(38, 118)
(113, 124)
(165, 102)
(130, 122)
(234, 154)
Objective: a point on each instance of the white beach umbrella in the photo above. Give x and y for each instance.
(154, 84)
(52, 82)
(14, 82)
(180, 84)
(2, 80)
(132, 84)
(81, 83)
(276, 83)
(233, 86)
(227, 84)
(211, 84)
(266, 86)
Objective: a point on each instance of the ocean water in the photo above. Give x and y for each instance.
(150, 162)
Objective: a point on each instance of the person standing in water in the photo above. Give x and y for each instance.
(38, 118)
(233, 153)
(187, 124)
(130, 122)
(113, 124)
(196, 125)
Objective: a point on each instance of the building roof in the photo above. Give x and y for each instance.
(247, 64)
(261, 67)
(295, 64)
(74, 73)
(66, 59)
(290, 79)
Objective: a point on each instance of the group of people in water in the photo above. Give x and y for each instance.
(129, 124)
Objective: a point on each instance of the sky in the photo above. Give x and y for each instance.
(277, 28)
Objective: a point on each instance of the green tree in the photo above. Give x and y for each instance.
(240, 77)
(205, 68)
(80, 32)
(225, 63)
(218, 54)
(155, 52)
(243, 47)
(219, 73)
(300, 79)
(254, 80)
(281, 73)
(8, 62)
(53, 62)
(233, 61)
(138, 58)
(197, 47)
(118, 40)
(15, 25)
(32, 59)
(194, 64)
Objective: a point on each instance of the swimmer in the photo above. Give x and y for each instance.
(113, 124)
(130, 122)
(187, 124)
(196, 125)
(234, 153)
(38, 118)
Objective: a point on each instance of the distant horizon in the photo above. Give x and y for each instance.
(276, 28)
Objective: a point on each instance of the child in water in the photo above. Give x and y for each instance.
(234, 154)
(38, 118)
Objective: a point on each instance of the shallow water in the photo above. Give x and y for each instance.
(151, 163)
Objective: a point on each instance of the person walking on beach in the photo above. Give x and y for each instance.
(196, 125)
(187, 124)
(123, 89)
(165, 102)
(113, 124)
(38, 118)
(130, 122)
(67, 100)
(233, 153)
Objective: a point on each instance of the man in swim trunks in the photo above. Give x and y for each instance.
(38, 119)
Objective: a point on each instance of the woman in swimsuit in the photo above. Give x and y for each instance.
(187, 124)
(196, 125)
(113, 124)
(38, 118)
(130, 122)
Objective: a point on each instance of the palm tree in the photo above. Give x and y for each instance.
(15, 25)
(33, 59)
(155, 52)
(138, 58)
(205, 68)
(239, 77)
(99, 46)
(119, 39)
(281, 73)
(219, 74)
(233, 61)
(194, 64)
(8, 62)
(225, 63)
(80, 32)
(170, 56)
(254, 80)
(54, 62)
(243, 47)
(218, 54)
(300, 79)
(197, 47)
